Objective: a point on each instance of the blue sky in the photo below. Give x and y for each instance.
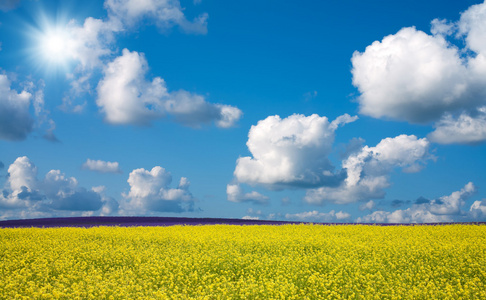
(322, 111)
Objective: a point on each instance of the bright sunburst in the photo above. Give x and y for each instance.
(52, 45)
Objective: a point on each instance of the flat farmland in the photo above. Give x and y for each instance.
(244, 262)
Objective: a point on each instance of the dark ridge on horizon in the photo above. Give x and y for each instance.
(171, 221)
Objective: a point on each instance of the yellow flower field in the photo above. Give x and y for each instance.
(244, 262)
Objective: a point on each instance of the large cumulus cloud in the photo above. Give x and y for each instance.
(420, 78)
(290, 152)
(411, 76)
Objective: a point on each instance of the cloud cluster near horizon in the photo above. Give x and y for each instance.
(443, 209)
(448, 208)
(55, 192)
(26, 196)
(151, 191)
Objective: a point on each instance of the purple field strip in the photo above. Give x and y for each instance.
(169, 221)
(131, 221)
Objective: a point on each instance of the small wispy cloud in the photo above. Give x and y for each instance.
(102, 166)
(309, 96)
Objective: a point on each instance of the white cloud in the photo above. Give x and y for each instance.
(462, 130)
(451, 205)
(90, 43)
(22, 173)
(472, 25)
(478, 210)
(411, 76)
(149, 190)
(63, 193)
(110, 205)
(410, 215)
(192, 110)
(228, 115)
(420, 78)
(443, 209)
(56, 184)
(165, 14)
(126, 97)
(21, 185)
(368, 170)
(290, 152)
(25, 195)
(315, 216)
(370, 205)
(442, 27)
(235, 194)
(102, 166)
(94, 40)
(15, 120)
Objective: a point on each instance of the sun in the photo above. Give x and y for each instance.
(54, 45)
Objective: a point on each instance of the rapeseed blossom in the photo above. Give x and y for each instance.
(244, 262)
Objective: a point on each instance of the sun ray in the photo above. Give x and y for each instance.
(51, 45)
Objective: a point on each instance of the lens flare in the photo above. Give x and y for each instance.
(52, 44)
(55, 47)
